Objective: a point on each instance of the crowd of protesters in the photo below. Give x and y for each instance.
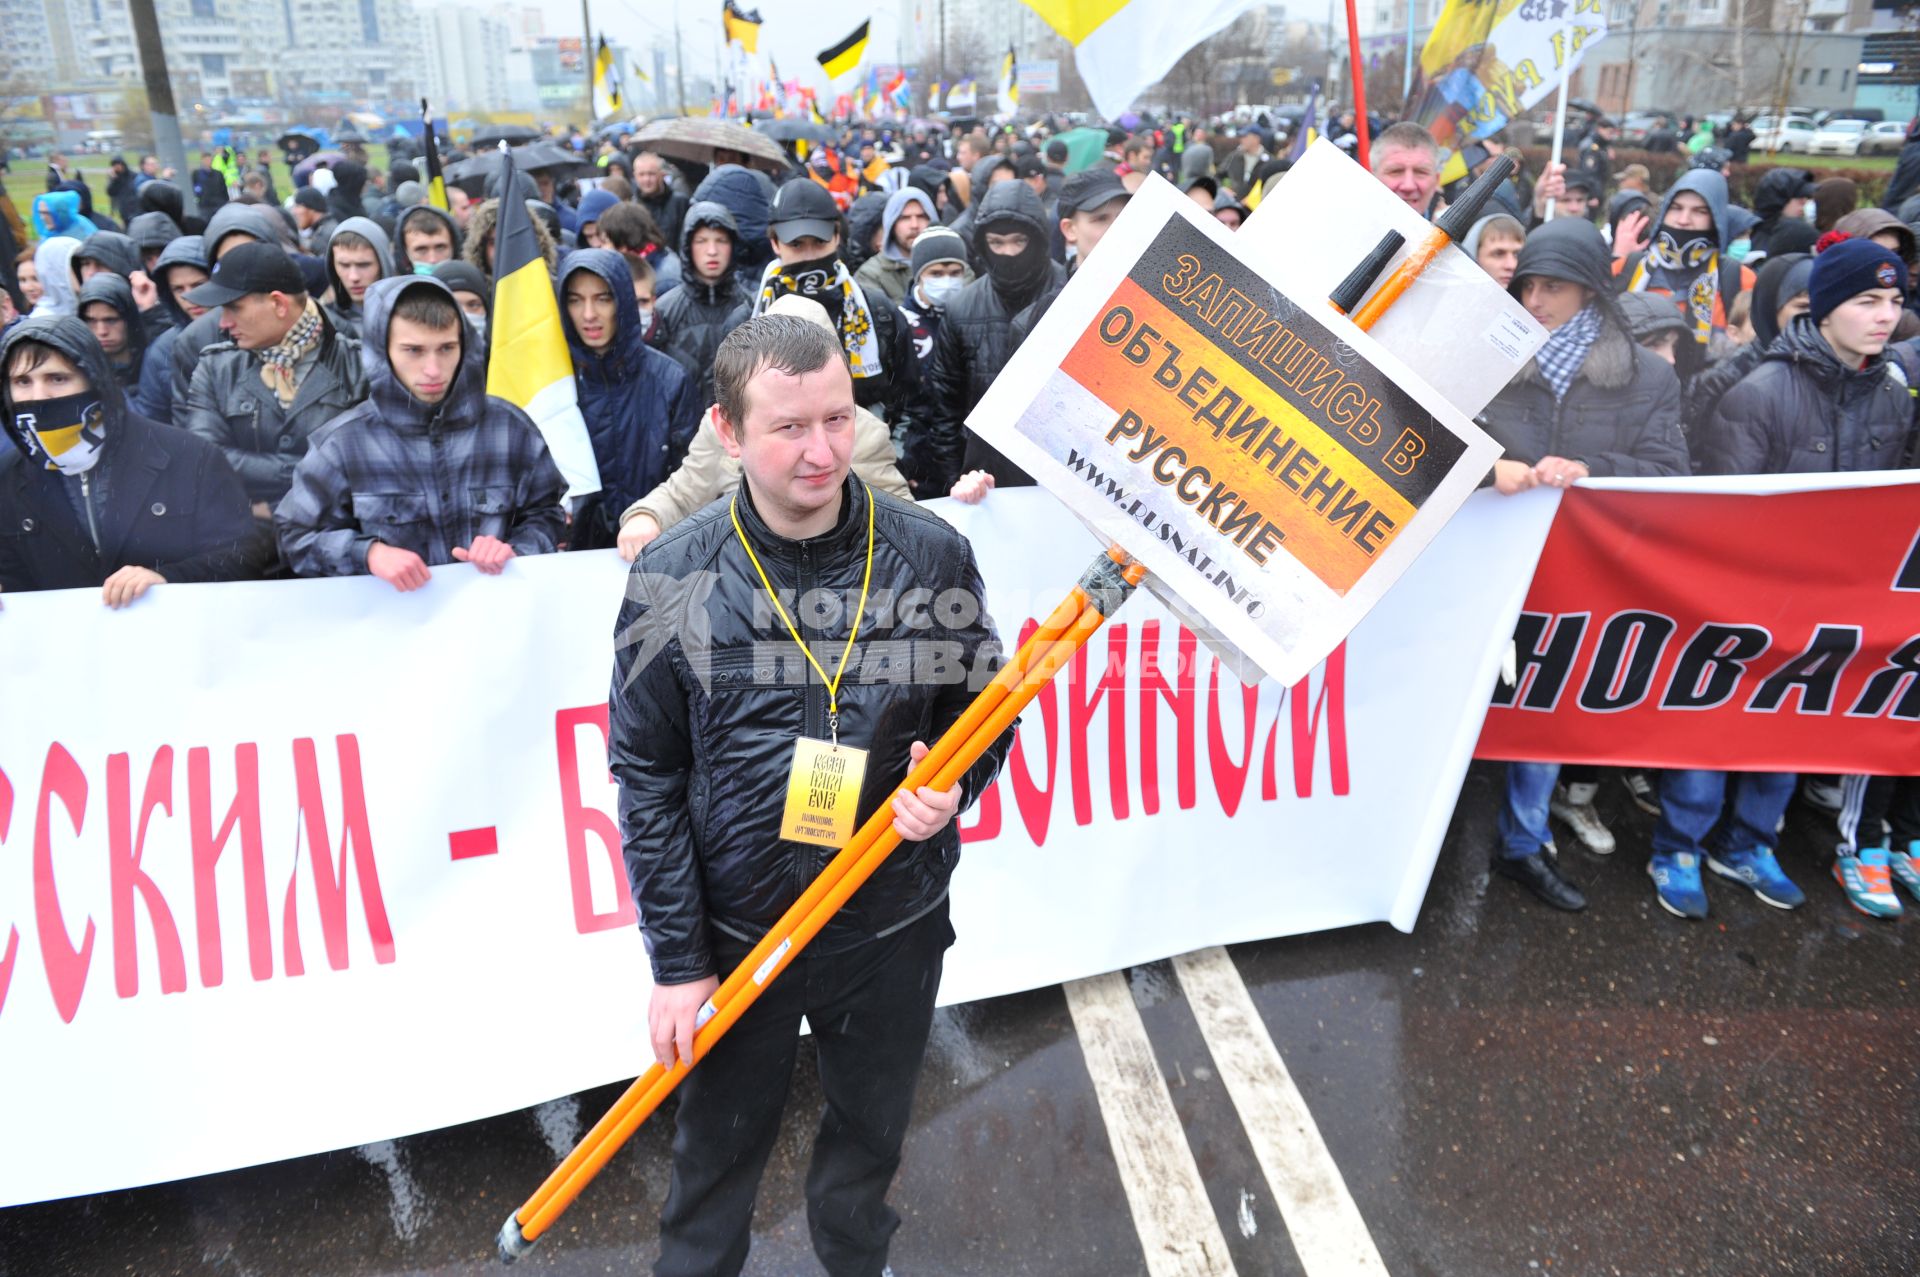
(247, 383)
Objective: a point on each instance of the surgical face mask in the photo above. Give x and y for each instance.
(1739, 249)
(68, 432)
(941, 290)
(646, 318)
(424, 268)
(479, 325)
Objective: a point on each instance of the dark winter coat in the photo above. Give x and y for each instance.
(162, 499)
(749, 198)
(668, 209)
(1703, 393)
(425, 478)
(402, 265)
(699, 747)
(690, 321)
(975, 341)
(1801, 410)
(118, 293)
(640, 407)
(229, 406)
(1621, 417)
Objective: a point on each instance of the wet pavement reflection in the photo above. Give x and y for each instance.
(1508, 1090)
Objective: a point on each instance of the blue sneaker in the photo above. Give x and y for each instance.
(1757, 868)
(1866, 879)
(1676, 881)
(1905, 867)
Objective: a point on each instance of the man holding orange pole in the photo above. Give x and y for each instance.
(838, 630)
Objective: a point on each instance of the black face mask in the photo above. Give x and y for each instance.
(1683, 250)
(817, 278)
(1019, 273)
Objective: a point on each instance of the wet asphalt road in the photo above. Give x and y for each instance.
(1508, 1090)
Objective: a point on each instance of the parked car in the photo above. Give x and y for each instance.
(1872, 115)
(1884, 138)
(1635, 127)
(1791, 133)
(1838, 137)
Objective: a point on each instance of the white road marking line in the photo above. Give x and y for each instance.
(1328, 1233)
(1176, 1223)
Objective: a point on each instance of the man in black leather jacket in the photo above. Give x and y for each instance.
(710, 702)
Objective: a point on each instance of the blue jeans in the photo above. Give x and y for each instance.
(1692, 802)
(1523, 817)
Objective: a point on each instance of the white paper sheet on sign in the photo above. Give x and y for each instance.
(1455, 328)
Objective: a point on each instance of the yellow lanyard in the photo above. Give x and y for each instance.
(833, 684)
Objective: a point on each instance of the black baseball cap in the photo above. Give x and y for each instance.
(1089, 189)
(1029, 166)
(802, 209)
(249, 268)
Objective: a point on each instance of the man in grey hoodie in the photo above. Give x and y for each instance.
(358, 254)
(909, 211)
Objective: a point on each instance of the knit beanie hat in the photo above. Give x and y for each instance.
(308, 198)
(1849, 268)
(938, 244)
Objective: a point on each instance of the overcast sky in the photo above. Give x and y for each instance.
(793, 32)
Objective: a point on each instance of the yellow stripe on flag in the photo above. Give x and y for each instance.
(527, 349)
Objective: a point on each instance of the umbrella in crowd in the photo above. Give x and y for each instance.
(795, 131)
(303, 171)
(471, 175)
(701, 139)
(299, 142)
(492, 135)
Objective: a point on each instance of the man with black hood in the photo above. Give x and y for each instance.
(424, 237)
(639, 404)
(430, 469)
(1780, 197)
(349, 180)
(181, 268)
(690, 321)
(105, 305)
(976, 334)
(110, 253)
(150, 233)
(1688, 260)
(100, 495)
(989, 172)
(280, 375)
(1591, 402)
(805, 232)
(357, 255)
(162, 196)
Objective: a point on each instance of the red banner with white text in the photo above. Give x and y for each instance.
(1730, 625)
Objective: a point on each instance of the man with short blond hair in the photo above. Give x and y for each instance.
(1406, 159)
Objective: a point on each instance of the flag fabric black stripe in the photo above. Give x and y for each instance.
(848, 45)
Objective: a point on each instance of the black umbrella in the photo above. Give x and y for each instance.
(471, 175)
(794, 131)
(298, 143)
(512, 134)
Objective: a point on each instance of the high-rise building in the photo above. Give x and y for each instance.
(348, 50)
(466, 58)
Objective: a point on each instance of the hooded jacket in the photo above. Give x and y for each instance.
(1621, 416)
(465, 277)
(742, 194)
(341, 310)
(100, 220)
(112, 250)
(669, 210)
(251, 220)
(156, 371)
(697, 748)
(1906, 172)
(53, 262)
(402, 264)
(1734, 278)
(865, 216)
(228, 405)
(162, 196)
(62, 208)
(349, 180)
(425, 478)
(1802, 411)
(486, 217)
(891, 269)
(592, 206)
(123, 191)
(980, 184)
(152, 232)
(1780, 280)
(690, 321)
(118, 293)
(1777, 186)
(161, 498)
(640, 408)
(975, 341)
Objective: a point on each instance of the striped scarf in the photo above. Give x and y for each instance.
(1566, 350)
(277, 363)
(833, 287)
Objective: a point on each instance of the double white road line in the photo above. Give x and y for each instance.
(1178, 1229)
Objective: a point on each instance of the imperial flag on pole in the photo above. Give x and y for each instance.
(742, 26)
(608, 92)
(1124, 47)
(1489, 60)
(527, 361)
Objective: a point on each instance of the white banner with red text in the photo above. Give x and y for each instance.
(295, 866)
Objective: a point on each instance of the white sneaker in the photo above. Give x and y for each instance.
(1641, 790)
(1573, 806)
